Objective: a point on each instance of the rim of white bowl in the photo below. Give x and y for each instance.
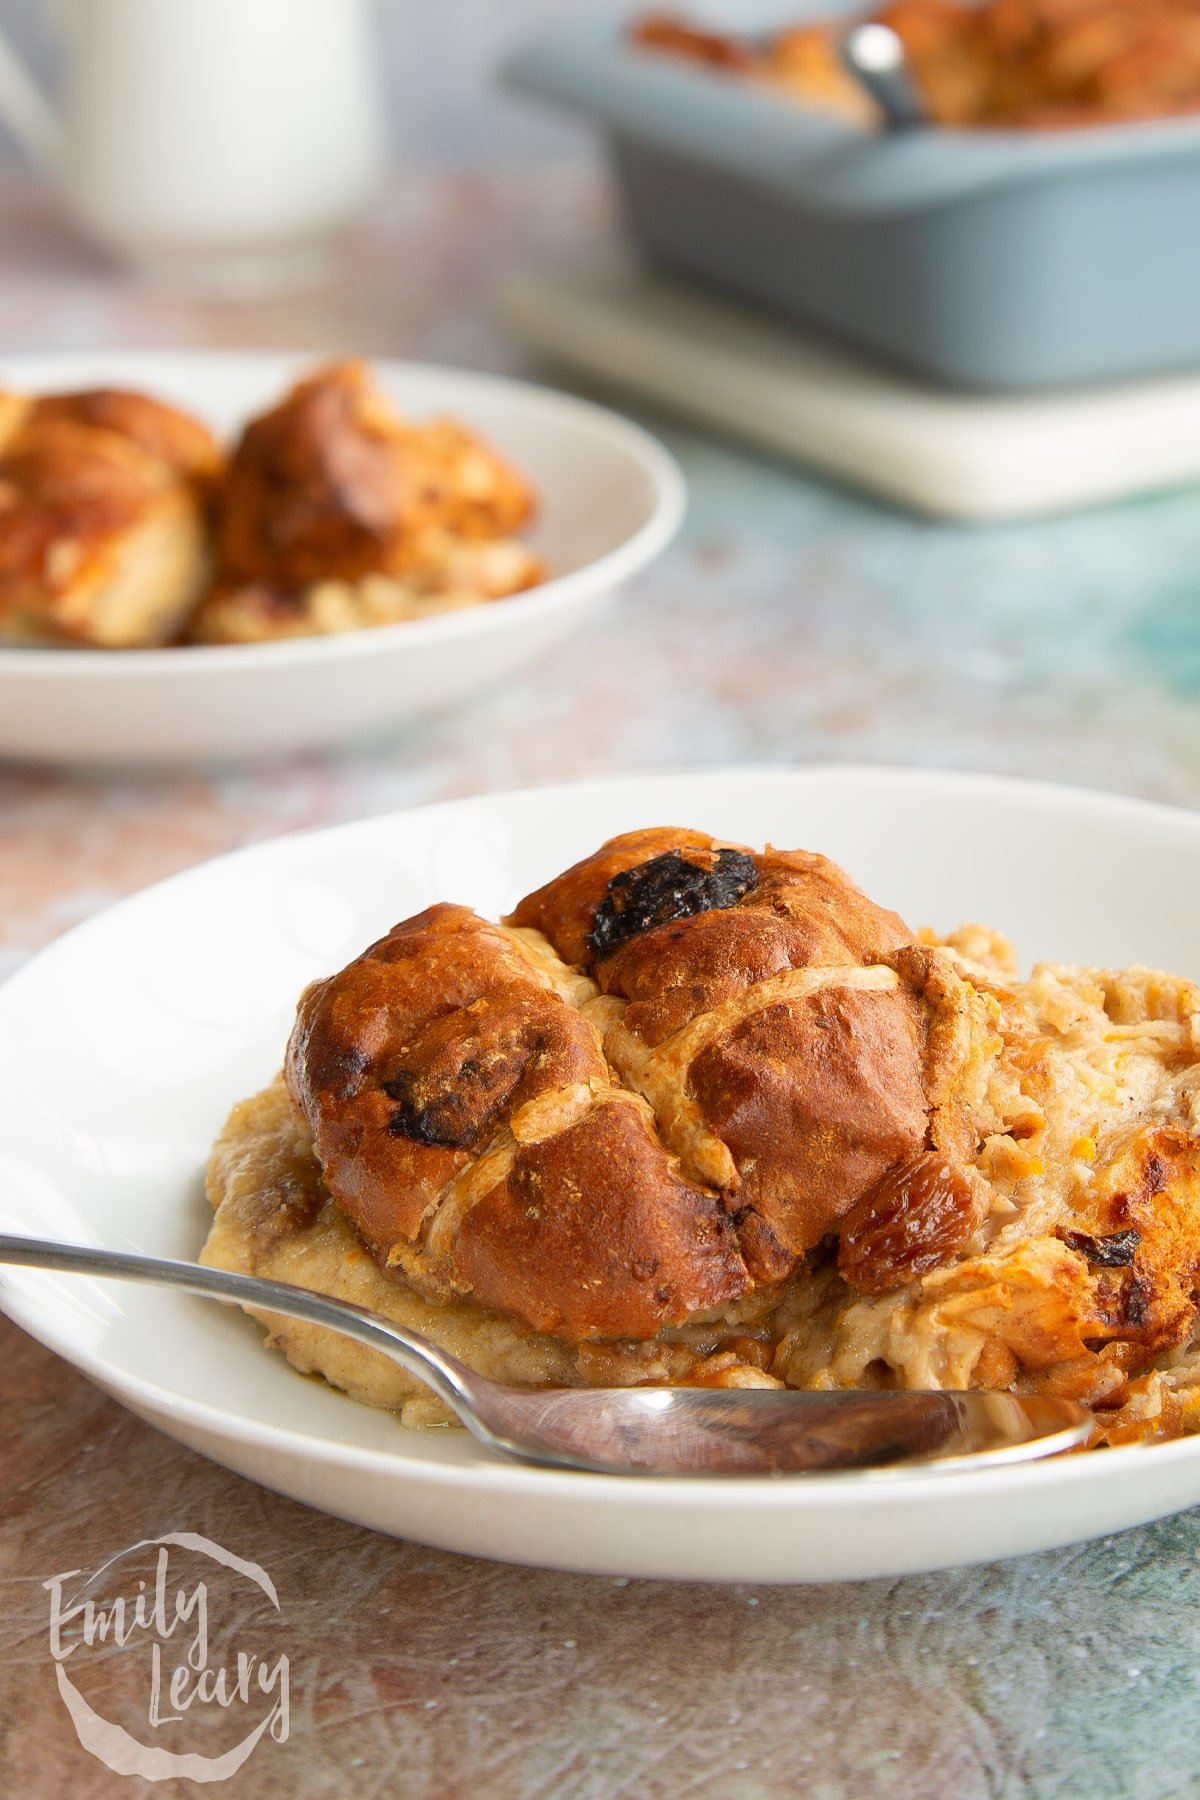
(609, 571)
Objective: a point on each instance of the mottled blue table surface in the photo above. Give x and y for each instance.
(792, 621)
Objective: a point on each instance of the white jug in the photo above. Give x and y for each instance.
(193, 129)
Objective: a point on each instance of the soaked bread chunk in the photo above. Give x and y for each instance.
(104, 532)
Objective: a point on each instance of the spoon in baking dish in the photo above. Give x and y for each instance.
(875, 56)
(642, 1430)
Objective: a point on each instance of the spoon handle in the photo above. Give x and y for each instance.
(448, 1378)
(875, 56)
(636, 1430)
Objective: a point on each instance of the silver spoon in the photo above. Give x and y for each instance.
(875, 56)
(641, 1430)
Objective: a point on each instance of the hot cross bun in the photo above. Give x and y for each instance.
(661, 1083)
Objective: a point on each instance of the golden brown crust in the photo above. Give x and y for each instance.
(678, 36)
(594, 1234)
(803, 1095)
(360, 1029)
(103, 535)
(747, 1072)
(1138, 1238)
(173, 437)
(275, 1218)
(468, 1123)
(331, 484)
(815, 1100)
(806, 909)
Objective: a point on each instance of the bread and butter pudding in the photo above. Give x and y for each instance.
(990, 64)
(701, 1114)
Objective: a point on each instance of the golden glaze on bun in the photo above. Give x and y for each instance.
(122, 527)
(608, 1145)
(332, 484)
(103, 518)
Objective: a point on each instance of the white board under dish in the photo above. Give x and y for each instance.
(950, 455)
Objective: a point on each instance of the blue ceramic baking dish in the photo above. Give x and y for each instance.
(980, 259)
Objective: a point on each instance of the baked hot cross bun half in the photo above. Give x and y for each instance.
(751, 999)
(653, 1090)
(332, 483)
(469, 1124)
(104, 530)
(339, 514)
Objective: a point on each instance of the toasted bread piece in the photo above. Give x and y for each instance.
(332, 484)
(603, 1167)
(104, 537)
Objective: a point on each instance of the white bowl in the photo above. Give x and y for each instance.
(611, 499)
(123, 1046)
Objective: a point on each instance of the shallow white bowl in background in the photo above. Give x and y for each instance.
(610, 498)
(123, 1046)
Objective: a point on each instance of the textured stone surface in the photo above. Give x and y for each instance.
(435, 1677)
(793, 621)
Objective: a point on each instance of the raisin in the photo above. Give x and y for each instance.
(1135, 1303)
(341, 1068)
(1116, 1251)
(434, 1120)
(447, 1110)
(668, 887)
(914, 1219)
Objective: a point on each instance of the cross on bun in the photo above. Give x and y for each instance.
(657, 1086)
(753, 1007)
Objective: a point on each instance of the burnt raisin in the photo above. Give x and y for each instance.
(436, 1120)
(665, 888)
(1116, 1251)
(341, 1069)
(434, 1124)
(917, 1217)
(1135, 1303)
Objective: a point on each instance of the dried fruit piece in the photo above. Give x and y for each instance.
(1136, 1302)
(1116, 1251)
(669, 887)
(915, 1218)
(429, 1120)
